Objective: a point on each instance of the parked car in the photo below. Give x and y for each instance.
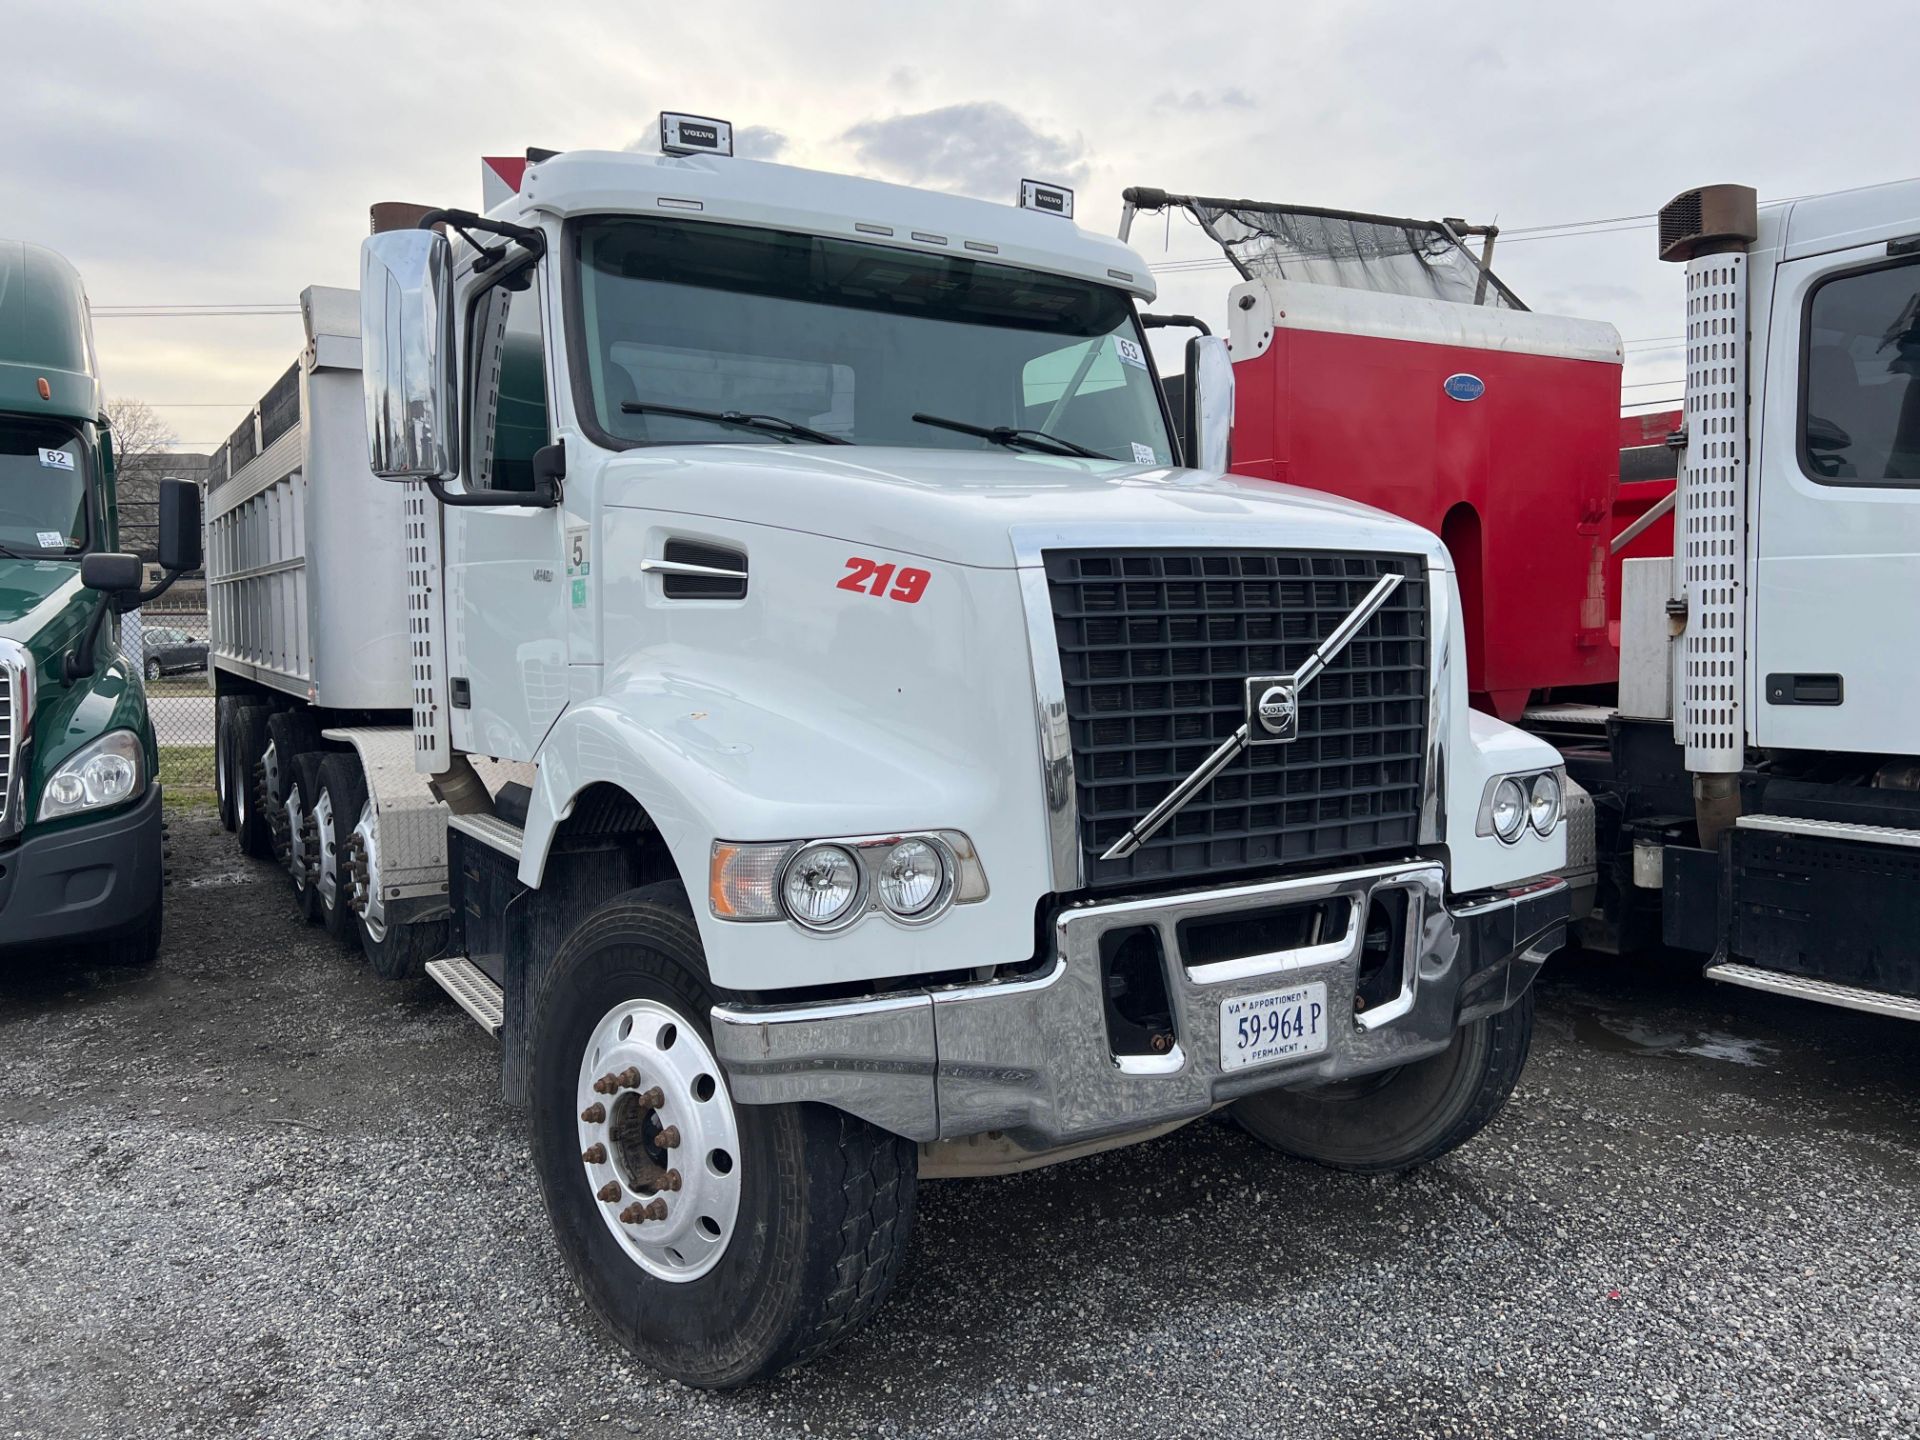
(171, 652)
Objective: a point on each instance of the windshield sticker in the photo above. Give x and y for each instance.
(51, 540)
(1130, 352)
(56, 459)
(1142, 454)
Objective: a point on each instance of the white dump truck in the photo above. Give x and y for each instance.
(780, 673)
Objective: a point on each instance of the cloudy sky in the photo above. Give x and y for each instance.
(201, 154)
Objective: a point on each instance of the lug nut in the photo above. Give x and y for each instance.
(669, 1137)
(609, 1192)
(670, 1180)
(594, 1113)
(594, 1154)
(653, 1210)
(652, 1099)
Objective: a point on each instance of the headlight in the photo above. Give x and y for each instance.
(1543, 803)
(820, 885)
(110, 771)
(911, 878)
(831, 884)
(1509, 809)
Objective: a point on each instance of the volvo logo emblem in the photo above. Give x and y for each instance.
(1273, 710)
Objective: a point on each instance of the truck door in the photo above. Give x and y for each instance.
(1837, 542)
(506, 577)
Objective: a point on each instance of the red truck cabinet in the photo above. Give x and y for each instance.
(1496, 428)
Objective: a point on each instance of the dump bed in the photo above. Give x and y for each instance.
(306, 577)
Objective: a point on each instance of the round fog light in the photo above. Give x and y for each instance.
(1543, 803)
(911, 878)
(821, 885)
(1509, 809)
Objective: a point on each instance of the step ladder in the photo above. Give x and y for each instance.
(1801, 987)
(472, 990)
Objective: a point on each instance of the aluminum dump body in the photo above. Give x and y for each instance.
(306, 575)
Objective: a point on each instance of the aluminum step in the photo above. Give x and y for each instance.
(471, 990)
(1874, 1002)
(1832, 829)
(491, 831)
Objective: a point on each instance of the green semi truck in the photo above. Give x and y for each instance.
(80, 809)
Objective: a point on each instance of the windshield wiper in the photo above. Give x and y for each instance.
(770, 424)
(1015, 438)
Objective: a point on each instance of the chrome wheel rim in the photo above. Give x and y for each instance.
(328, 880)
(659, 1141)
(299, 839)
(363, 885)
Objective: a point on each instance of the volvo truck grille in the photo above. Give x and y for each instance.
(1156, 648)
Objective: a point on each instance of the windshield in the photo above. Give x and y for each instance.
(43, 488)
(852, 341)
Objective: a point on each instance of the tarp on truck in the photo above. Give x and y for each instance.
(1387, 254)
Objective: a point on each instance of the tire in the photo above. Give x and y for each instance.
(394, 951)
(248, 740)
(304, 791)
(292, 734)
(138, 949)
(223, 758)
(1380, 1124)
(824, 1202)
(344, 790)
(153, 669)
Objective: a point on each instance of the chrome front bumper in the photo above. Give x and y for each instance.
(1031, 1057)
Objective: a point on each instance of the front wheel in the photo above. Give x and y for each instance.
(1400, 1118)
(718, 1242)
(153, 669)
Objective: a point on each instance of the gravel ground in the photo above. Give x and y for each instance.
(257, 1192)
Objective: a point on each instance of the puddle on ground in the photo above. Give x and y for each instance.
(1625, 1035)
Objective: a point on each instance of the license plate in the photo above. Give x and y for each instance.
(1273, 1025)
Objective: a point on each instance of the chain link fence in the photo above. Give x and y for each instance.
(167, 642)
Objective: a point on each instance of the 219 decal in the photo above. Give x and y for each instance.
(870, 577)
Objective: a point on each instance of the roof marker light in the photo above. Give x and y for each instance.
(46, 390)
(694, 135)
(1047, 199)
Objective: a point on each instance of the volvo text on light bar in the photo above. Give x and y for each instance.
(694, 135)
(1047, 199)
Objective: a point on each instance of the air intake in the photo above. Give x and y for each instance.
(1713, 220)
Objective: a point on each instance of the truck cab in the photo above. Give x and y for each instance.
(1760, 781)
(80, 817)
(869, 745)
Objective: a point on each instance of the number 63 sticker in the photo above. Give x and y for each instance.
(870, 577)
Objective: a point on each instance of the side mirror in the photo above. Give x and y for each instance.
(406, 355)
(179, 541)
(1208, 421)
(114, 573)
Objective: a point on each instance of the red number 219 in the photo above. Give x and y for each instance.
(870, 577)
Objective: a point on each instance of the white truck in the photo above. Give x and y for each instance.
(1757, 786)
(798, 696)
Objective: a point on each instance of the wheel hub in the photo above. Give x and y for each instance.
(659, 1141)
(363, 874)
(301, 859)
(327, 880)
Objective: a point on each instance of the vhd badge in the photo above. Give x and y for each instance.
(1273, 709)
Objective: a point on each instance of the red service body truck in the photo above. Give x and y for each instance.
(1379, 358)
